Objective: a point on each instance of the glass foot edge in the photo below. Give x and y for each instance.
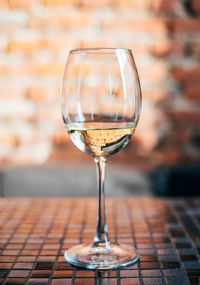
(87, 257)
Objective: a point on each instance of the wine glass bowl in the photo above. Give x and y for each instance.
(101, 103)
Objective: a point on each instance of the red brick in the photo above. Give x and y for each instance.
(166, 6)
(22, 4)
(58, 44)
(76, 20)
(185, 117)
(96, 4)
(158, 72)
(42, 22)
(38, 94)
(136, 4)
(157, 95)
(177, 48)
(196, 49)
(8, 140)
(195, 5)
(23, 46)
(61, 138)
(49, 68)
(177, 137)
(186, 26)
(146, 131)
(3, 70)
(182, 74)
(161, 48)
(3, 4)
(193, 92)
(154, 25)
(169, 156)
(58, 2)
(147, 142)
(166, 47)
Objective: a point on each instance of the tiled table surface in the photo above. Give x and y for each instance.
(34, 233)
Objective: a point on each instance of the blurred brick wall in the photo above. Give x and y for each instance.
(35, 37)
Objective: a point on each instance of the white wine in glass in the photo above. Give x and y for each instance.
(101, 103)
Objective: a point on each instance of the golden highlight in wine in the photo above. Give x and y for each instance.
(100, 139)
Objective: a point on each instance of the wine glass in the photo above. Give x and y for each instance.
(101, 103)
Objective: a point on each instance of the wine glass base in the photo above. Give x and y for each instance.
(101, 258)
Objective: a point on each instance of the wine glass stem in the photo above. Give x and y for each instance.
(101, 238)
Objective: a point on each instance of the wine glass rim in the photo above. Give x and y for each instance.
(102, 49)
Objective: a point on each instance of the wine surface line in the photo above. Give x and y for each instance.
(99, 138)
